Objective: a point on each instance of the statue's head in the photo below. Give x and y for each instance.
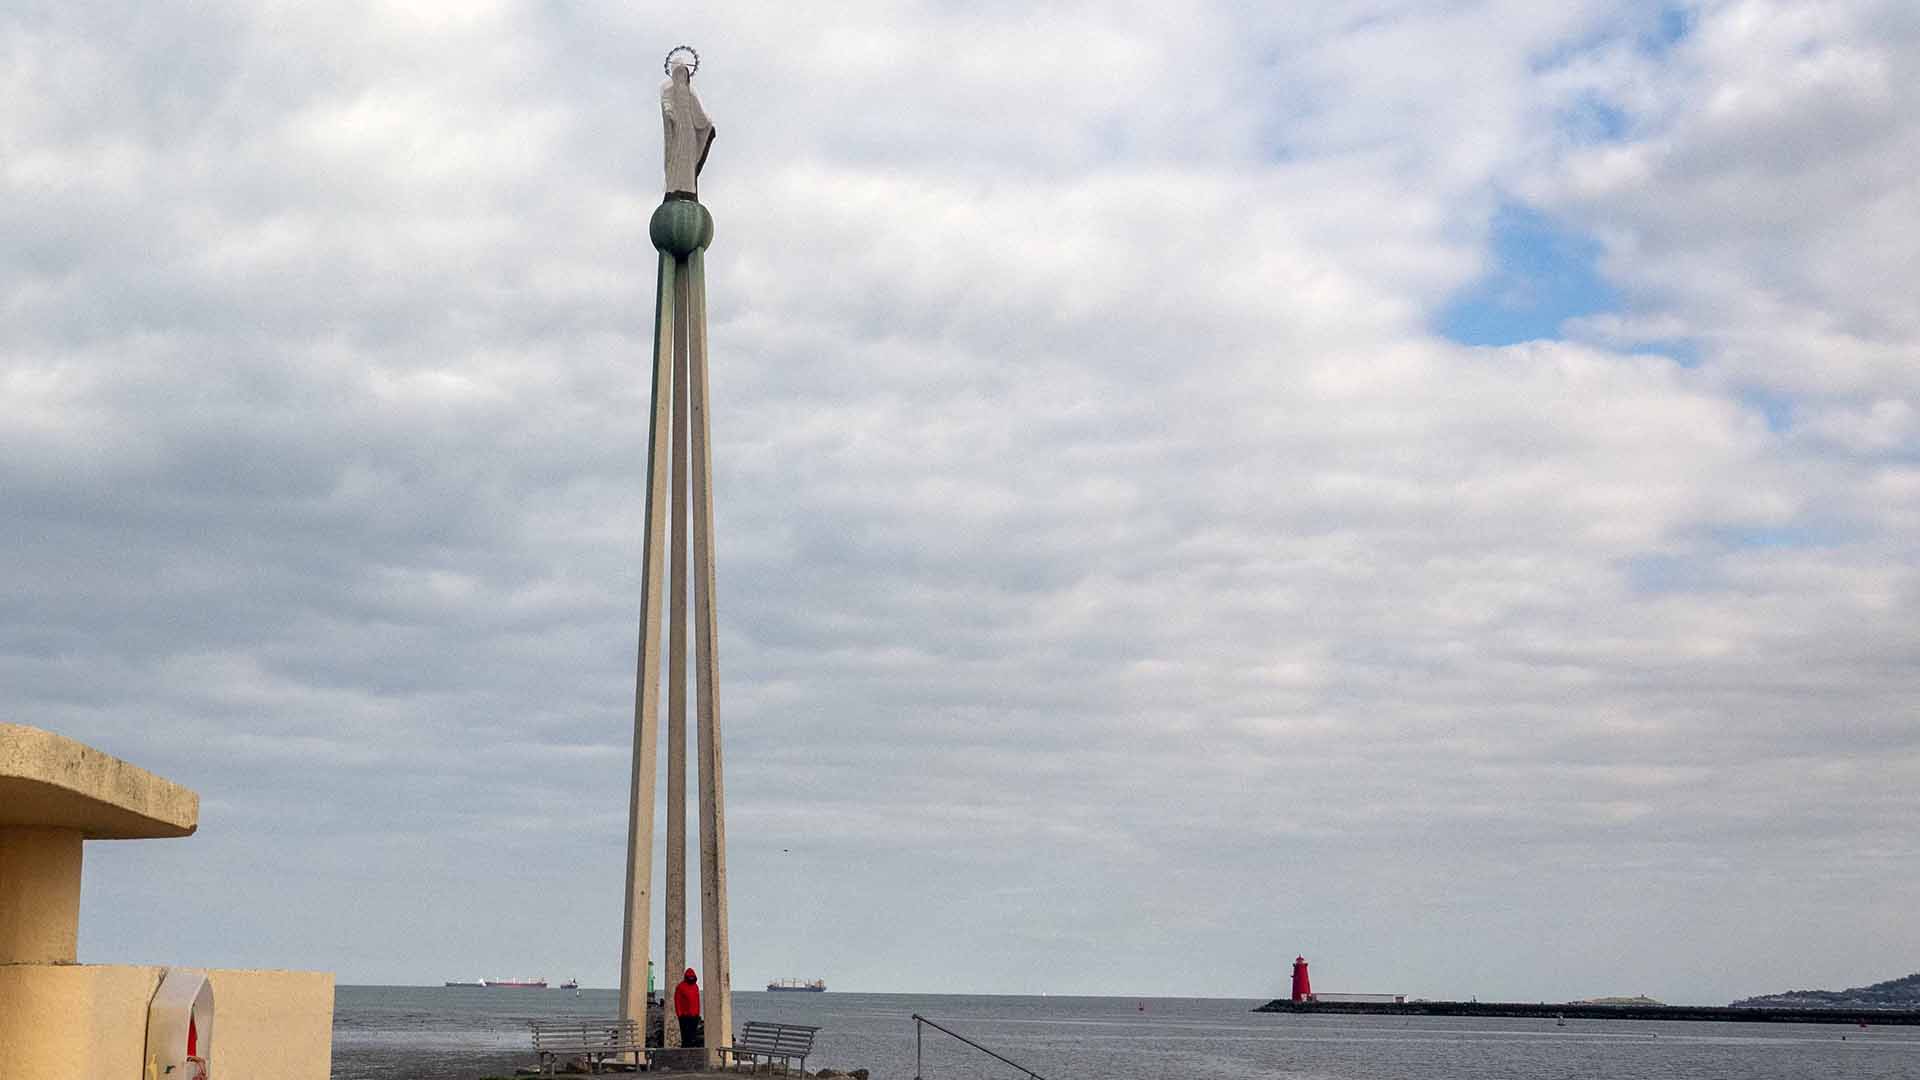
(682, 62)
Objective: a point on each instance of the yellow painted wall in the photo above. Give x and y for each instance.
(89, 1022)
(272, 1025)
(70, 1020)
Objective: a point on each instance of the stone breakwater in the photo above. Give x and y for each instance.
(1721, 1014)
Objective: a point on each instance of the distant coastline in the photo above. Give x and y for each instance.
(1901, 993)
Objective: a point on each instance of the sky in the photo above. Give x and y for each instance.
(1430, 487)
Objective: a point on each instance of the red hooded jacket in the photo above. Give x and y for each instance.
(686, 996)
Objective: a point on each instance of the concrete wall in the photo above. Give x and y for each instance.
(68, 1020)
(272, 1025)
(39, 895)
(89, 1022)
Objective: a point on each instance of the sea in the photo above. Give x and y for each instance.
(460, 1033)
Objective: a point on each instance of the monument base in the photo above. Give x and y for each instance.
(680, 1059)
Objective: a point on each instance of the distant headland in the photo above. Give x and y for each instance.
(1901, 993)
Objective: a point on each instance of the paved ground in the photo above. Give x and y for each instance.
(676, 1075)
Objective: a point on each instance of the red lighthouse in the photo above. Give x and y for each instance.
(1302, 989)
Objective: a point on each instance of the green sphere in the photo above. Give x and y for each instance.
(681, 227)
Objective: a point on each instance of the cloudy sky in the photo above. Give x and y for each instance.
(1430, 486)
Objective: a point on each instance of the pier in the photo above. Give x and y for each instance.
(1544, 1010)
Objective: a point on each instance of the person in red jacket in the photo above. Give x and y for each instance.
(686, 1007)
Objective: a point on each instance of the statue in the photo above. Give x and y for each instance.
(689, 130)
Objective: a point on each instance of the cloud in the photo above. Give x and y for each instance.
(1110, 552)
(1761, 196)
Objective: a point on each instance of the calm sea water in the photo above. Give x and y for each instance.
(434, 1033)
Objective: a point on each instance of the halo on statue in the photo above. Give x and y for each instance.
(677, 52)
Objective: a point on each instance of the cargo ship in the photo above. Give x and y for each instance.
(515, 984)
(817, 986)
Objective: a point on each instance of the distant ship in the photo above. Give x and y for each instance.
(467, 982)
(570, 984)
(515, 984)
(817, 986)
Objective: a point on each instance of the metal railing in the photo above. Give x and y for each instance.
(919, 1021)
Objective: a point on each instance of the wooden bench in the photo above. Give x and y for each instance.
(762, 1041)
(594, 1041)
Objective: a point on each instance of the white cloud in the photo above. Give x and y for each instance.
(1764, 197)
(1104, 535)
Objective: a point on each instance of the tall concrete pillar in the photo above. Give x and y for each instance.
(676, 923)
(717, 1002)
(636, 937)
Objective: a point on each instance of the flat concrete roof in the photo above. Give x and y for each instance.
(52, 781)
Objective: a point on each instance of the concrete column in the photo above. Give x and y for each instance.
(39, 895)
(676, 943)
(646, 701)
(717, 998)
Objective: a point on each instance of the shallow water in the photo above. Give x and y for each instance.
(454, 1033)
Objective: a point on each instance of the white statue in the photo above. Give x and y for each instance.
(689, 130)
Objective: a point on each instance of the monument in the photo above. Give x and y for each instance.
(679, 464)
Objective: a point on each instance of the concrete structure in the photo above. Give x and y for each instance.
(1719, 1014)
(680, 488)
(59, 1018)
(54, 795)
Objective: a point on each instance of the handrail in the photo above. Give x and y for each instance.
(918, 1020)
